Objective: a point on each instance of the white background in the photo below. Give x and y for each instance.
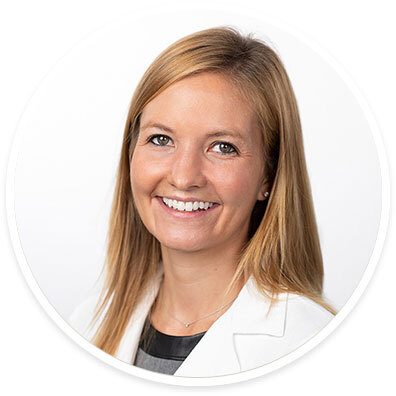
(38, 358)
(70, 134)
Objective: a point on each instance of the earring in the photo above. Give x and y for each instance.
(266, 194)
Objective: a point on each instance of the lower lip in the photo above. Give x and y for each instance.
(184, 214)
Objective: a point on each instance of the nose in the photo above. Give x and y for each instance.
(187, 171)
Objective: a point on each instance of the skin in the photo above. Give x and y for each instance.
(178, 156)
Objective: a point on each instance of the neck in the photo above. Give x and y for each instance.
(194, 285)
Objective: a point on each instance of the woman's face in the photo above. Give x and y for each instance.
(197, 167)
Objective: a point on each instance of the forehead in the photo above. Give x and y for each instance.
(202, 102)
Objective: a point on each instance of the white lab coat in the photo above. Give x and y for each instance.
(243, 338)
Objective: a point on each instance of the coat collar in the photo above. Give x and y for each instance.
(216, 353)
(251, 313)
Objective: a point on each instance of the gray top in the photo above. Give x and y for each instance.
(159, 365)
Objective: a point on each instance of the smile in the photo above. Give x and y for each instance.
(191, 206)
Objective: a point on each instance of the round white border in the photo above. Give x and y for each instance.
(246, 375)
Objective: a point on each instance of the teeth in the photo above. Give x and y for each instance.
(186, 206)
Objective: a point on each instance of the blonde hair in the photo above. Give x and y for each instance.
(283, 252)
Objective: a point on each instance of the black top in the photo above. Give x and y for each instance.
(162, 352)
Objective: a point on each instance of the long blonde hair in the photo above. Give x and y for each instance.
(283, 252)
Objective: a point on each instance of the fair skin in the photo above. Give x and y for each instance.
(199, 144)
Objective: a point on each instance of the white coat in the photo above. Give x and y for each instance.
(243, 338)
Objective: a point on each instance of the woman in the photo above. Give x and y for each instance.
(213, 263)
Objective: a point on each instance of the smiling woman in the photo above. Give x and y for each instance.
(213, 263)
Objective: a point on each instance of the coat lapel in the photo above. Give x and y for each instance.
(214, 354)
(217, 353)
(253, 313)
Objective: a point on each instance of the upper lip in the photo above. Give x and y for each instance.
(186, 199)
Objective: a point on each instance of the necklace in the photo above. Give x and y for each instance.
(203, 317)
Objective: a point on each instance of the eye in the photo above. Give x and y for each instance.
(160, 140)
(224, 148)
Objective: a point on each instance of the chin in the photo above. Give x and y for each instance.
(183, 245)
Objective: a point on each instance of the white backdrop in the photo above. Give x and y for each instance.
(35, 41)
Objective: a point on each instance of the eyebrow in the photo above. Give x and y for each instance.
(214, 133)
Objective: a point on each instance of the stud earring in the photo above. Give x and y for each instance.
(266, 194)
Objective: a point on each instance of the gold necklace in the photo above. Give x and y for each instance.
(187, 324)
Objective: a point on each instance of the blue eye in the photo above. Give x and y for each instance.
(160, 140)
(224, 148)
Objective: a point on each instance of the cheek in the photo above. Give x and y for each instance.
(144, 174)
(238, 185)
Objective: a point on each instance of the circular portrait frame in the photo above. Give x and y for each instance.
(20, 188)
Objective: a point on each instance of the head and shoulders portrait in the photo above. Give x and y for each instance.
(213, 263)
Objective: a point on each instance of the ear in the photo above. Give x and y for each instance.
(264, 192)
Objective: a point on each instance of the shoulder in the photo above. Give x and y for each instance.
(82, 316)
(265, 331)
(288, 314)
(304, 316)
